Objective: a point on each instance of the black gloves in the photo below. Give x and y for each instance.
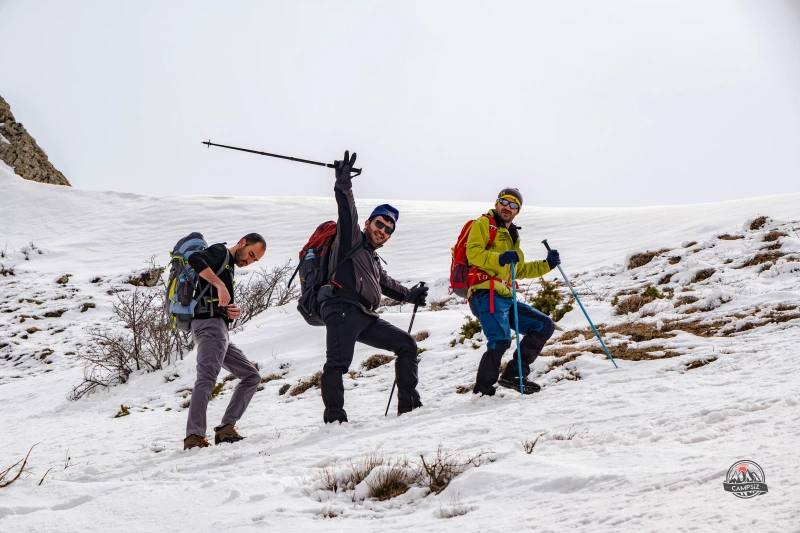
(510, 256)
(417, 295)
(344, 168)
(553, 259)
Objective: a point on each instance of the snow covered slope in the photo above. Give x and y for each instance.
(707, 377)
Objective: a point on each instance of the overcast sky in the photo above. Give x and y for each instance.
(580, 103)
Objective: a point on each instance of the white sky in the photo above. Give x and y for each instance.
(581, 103)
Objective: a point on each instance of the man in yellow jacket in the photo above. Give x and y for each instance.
(490, 295)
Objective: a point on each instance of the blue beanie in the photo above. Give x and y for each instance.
(387, 211)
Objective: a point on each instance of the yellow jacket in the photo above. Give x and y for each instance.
(489, 260)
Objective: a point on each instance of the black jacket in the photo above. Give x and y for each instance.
(212, 257)
(363, 273)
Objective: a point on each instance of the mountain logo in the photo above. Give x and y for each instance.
(745, 479)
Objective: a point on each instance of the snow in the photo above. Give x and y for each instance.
(650, 443)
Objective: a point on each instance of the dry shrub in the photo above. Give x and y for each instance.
(771, 247)
(758, 223)
(702, 275)
(462, 389)
(785, 307)
(374, 361)
(690, 244)
(271, 377)
(285, 387)
(729, 237)
(573, 334)
(313, 381)
(631, 304)
(265, 289)
(5, 483)
(438, 472)
(55, 314)
(6, 271)
(691, 365)
(641, 259)
(760, 258)
(529, 445)
(421, 336)
(674, 260)
(139, 337)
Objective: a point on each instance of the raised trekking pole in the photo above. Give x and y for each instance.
(582, 309)
(356, 171)
(516, 324)
(421, 283)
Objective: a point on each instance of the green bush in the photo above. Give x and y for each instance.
(549, 298)
(470, 328)
(652, 292)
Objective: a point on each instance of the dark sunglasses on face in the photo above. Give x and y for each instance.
(513, 205)
(385, 227)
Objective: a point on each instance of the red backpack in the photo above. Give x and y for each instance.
(313, 269)
(462, 274)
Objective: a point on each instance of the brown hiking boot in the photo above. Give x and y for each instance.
(226, 433)
(195, 441)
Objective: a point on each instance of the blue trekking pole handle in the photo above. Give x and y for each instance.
(516, 324)
(582, 308)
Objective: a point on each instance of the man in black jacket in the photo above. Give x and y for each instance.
(215, 267)
(349, 312)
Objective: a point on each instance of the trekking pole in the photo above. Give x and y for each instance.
(516, 325)
(422, 283)
(583, 309)
(356, 171)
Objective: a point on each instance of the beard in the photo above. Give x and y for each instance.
(237, 257)
(506, 217)
(373, 240)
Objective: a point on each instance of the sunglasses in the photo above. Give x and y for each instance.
(385, 227)
(513, 205)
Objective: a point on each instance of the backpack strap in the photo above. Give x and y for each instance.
(208, 285)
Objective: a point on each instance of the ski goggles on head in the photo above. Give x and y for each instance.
(512, 205)
(385, 227)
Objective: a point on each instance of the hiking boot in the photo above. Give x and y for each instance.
(226, 433)
(528, 387)
(195, 441)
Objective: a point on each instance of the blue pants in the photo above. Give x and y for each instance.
(497, 326)
(534, 325)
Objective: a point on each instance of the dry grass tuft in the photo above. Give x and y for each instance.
(437, 305)
(637, 331)
(641, 259)
(421, 336)
(623, 351)
(761, 258)
(674, 260)
(285, 387)
(774, 235)
(374, 361)
(271, 377)
(461, 389)
(691, 365)
(684, 300)
(632, 304)
(436, 473)
(313, 381)
(729, 237)
(690, 244)
(758, 223)
(391, 482)
(702, 275)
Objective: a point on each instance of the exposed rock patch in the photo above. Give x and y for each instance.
(20, 151)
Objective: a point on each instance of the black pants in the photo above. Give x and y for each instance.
(346, 324)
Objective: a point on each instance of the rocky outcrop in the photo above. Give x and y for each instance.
(20, 151)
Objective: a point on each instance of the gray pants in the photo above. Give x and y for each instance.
(214, 352)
